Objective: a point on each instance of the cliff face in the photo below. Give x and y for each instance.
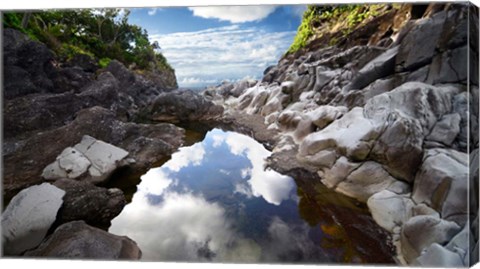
(386, 113)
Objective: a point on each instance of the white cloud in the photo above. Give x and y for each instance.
(234, 14)
(210, 56)
(179, 226)
(186, 156)
(272, 186)
(153, 11)
(155, 181)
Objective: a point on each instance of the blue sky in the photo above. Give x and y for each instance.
(207, 45)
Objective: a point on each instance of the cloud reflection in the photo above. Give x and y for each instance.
(270, 185)
(186, 156)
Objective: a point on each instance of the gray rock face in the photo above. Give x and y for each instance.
(389, 209)
(28, 217)
(77, 240)
(418, 46)
(100, 159)
(96, 206)
(446, 129)
(420, 232)
(442, 183)
(369, 178)
(181, 106)
(437, 256)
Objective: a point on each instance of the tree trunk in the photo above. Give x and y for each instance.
(25, 19)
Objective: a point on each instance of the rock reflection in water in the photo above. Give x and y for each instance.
(215, 201)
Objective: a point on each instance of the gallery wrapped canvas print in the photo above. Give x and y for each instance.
(326, 134)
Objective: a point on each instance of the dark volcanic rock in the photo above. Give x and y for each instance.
(23, 164)
(44, 111)
(96, 206)
(84, 62)
(77, 240)
(181, 106)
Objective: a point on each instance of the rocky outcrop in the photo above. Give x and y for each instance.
(28, 217)
(77, 240)
(384, 122)
(91, 159)
(182, 106)
(96, 206)
(146, 144)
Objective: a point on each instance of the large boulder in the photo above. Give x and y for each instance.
(367, 179)
(419, 232)
(389, 209)
(418, 46)
(182, 106)
(77, 240)
(92, 157)
(442, 183)
(96, 206)
(28, 217)
(407, 114)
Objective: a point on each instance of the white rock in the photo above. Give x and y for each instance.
(338, 172)
(365, 181)
(95, 156)
(324, 115)
(446, 129)
(28, 217)
(437, 256)
(104, 156)
(420, 232)
(350, 134)
(390, 210)
(423, 209)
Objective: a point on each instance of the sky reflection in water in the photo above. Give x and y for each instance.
(214, 201)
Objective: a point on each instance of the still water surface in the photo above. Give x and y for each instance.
(215, 201)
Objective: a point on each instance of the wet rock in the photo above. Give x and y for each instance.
(77, 240)
(389, 209)
(28, 216)
(96, 206)
(181, 106)
(100, 159)
(420, 232)
(442, 183)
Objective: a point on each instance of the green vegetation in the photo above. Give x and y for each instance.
(103, 34)
(326, 20)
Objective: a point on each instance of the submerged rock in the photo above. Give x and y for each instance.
(28, 217)
(77, 240)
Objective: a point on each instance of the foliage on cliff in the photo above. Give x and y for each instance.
(320, 21)
(103, 34)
